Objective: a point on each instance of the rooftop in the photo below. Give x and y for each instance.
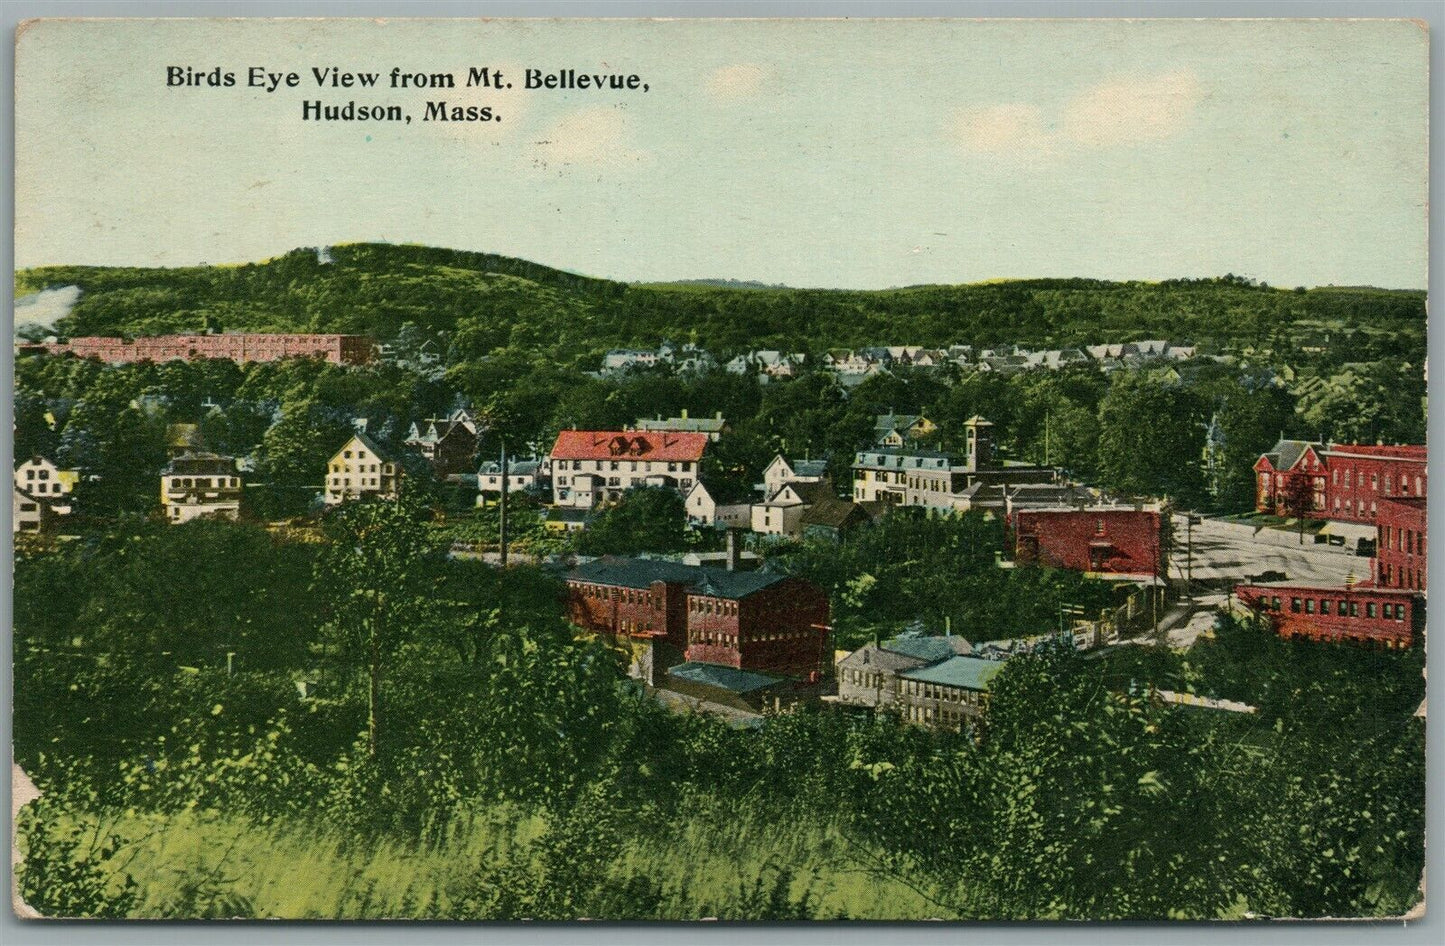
(724, 678)
(642, 572)
(971, 673)
(929, 649)
(619, 444)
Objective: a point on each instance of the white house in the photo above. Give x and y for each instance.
(41, 478)
(783, 470)
(362, 467)
(704, 509)
(781, 512)
(197, 484)
(521, 475)
(592, 466)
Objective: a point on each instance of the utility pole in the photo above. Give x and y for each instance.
(502, 512)
(1189, 558)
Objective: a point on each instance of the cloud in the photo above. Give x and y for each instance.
(1133, 110)
(1125, 111)
(600, 135)
(742, 81)
(1003, 128)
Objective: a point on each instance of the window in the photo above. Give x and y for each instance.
(576, 464)
(1324, 606)
(1354, 609)
(1099, 527)
(1343, 609)
(1274, 604)
(1309, 606)
(30, 474)
(1370, 609)
(45, 474)
(1399, 612)
(1375, 481)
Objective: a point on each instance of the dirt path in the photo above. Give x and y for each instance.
(22, 792)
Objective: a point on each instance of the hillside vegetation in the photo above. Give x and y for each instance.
(492, 302)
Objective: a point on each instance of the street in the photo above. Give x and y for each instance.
(1227, 553)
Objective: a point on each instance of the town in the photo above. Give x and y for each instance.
(709, 613)
(726, 628)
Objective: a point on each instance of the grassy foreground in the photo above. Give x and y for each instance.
(209, 865)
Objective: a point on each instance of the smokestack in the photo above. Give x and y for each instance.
(734, 554)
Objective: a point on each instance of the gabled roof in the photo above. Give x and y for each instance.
(891, 421)
(514, 468)
(1287, 453)
(365, 439)
(810, 493)
(642, 572)
(929, 649)
(834, 513)
(808, 468)
(970, 673)
(876, 658)
(724, 678)
(628, 445)
(193, 463)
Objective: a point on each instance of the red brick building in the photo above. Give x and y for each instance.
(239, 347)
(1343, 482)
(747, 620)
(1291, 480)
(1360, 476)
(1105, 541)
(1363, 614)
(1400, 543)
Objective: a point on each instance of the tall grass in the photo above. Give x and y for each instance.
(743, 866)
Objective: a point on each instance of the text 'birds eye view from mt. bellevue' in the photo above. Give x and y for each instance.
(728, 470)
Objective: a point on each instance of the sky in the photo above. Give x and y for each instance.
(845, 154)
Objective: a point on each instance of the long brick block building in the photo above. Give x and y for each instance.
(239, 347)
(1103, 541)
(1400, 544)
(1343, 482)
(747, 620)
(1362, 613)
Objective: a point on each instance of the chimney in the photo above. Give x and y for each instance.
(734, 554)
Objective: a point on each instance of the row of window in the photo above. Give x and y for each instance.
(1411, 578)
(358, 468)
(203, 482)
(41, 474)
(1340, 608)
(1357, 479)
(361, 482)
(1404, 540)
(651, 465)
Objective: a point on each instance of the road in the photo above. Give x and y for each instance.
(1228, 552)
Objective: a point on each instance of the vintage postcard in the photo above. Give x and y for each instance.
(720, 469)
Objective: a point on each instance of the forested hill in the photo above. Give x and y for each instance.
(489, 302)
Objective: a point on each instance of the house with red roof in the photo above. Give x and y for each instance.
(590, 467)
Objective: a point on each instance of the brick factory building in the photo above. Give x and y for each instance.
(238, 347)
(1400, 543)
(754, 620)
(1116, 542)
(1362, 614)
(1341, 482)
